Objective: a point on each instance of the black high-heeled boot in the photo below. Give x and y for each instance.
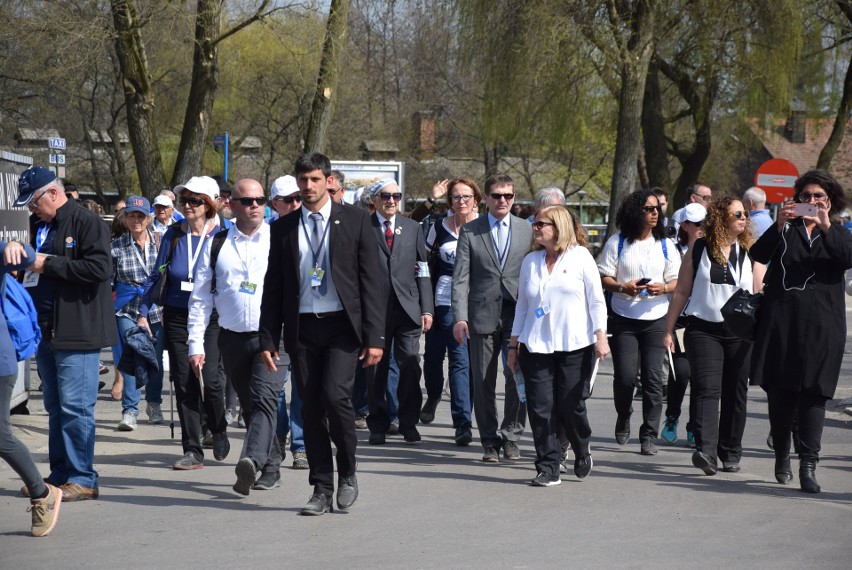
(783, 471)
(807, 479)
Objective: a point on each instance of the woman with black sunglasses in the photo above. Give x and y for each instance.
(180, 249)
(639, 267)
(801, 331)
(713, 269)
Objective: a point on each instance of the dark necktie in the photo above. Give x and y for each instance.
(388, 235)
(318, 245)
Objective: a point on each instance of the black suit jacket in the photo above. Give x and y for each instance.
(413, 289)
(355, 268)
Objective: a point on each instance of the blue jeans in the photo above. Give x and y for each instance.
(459, 371)
(70, 384)
(154, 388)
(291, 422)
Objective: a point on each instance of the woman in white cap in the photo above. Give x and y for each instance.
(180, 249)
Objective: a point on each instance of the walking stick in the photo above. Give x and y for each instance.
(172, 406)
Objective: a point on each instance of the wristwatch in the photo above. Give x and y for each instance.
(431, 200)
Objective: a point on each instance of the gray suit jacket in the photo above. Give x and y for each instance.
(399, 269)
(479, 284)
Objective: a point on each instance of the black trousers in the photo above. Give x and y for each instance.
(404, 336)
(637, 346)
(783, 408)
(677, 385)
(185, 382)
(257, 389)
(557, 387)
(719, 364)
(325, 360)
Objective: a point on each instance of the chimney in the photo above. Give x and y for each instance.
(796, 127)
(424, 128)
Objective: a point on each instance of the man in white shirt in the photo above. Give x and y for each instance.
(754, 199)
(233, 285)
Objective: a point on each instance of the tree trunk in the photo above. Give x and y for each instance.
(654, 131)
(838, 131)
(202, 91)
(323, 104)
(139, 97)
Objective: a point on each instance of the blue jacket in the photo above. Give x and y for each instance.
(138, 359)
(8, 361)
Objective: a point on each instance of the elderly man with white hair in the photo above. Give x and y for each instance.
(754, 199)
(547, 197)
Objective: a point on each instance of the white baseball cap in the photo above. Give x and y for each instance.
(694, 213)
(200, 185)
(284, 186)
(163, 201)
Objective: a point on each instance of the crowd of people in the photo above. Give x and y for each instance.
(247, 289)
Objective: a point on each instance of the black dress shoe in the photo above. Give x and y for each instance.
(583, 466)
(409, 433)
(377, 438)
(622, 429)
(783, 471)
(427, 414)
(731, 466)
(221, 446)
(347, 492)
(703, 462)
(807, 479)
(463, 435)
(318, 504)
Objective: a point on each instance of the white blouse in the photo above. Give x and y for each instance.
(559, 311)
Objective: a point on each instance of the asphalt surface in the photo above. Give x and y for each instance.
(435, 505)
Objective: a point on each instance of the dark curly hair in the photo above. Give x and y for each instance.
(828, 183)
(630, 219)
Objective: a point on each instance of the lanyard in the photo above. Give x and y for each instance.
(316, 251)
(143, 261)
(192, 256)
(248, 260)
(501, 256)
(544, 283)
(41, 236)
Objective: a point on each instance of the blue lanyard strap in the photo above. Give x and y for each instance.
(315, 252)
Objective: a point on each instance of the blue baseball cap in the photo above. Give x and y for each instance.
(137, 204)
(32, 179)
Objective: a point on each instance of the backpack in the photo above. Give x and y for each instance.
(215, 247)
(21, 318)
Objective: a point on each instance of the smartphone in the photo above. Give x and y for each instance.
(644, 281)
(806, 210)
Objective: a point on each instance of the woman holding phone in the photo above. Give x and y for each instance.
(639, 267)
(801, 332)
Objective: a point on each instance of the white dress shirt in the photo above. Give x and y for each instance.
(330, 302)
(569, 300)
(492, 223)
(242, 260)
(383, 219)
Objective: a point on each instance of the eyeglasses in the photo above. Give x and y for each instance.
(458, 198)
(651, 209)
(387, 196)
(192, 201)
(537, 225)
(248, 201)
(704, 196)
(739, 214)
(34, 202)
(807, 197)
(496, 196)
(288, 199)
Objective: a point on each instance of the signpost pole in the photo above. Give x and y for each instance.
(227, 146)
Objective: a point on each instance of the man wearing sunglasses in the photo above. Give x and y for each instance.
(284, 198)
(70, 286)
(485, 290)
(336, 188)
(408, 289)
(698, 193)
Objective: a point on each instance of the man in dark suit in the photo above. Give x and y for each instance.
(323, 283)
(408, 289)
(485, 291)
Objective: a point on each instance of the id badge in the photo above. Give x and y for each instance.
(541, 311)
(31, 278)
(316, 276)
(249, 288)
(186, 286)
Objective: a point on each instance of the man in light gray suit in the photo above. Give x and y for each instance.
(485, 291)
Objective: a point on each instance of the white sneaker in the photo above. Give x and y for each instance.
(127, 423)
(155, 414)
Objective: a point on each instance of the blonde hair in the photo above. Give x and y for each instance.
(563, 223)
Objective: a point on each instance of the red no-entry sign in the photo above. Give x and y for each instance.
(776, 177)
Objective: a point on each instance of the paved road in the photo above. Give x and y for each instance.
(434, 505)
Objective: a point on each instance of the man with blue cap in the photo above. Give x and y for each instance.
(70, 286)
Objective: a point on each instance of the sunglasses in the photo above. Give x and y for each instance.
(387, 196)
(334, 192)
(807, 197)
(651, 209)
(191, 201)
(540, 225)
(739, 214)
(248, 201)
(496, 196)
(288, 199)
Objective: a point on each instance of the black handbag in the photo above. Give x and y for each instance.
(740, 313)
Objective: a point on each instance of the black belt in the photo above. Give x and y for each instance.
(324, 315)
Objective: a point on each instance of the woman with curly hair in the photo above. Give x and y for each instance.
(801, 331)
(639, 267)
(716, 265)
